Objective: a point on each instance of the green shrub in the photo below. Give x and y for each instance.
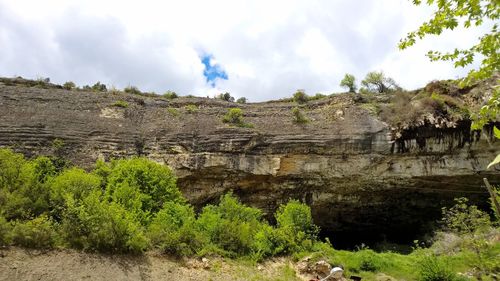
(225, 97)
(234, 116)
(102, 169)
(472, 225)
(57, 144)
(295, 230)
(132, 90)
(230, 225)
(69, 85)
(99, 87)
(264, 244)
(22, 192)
(36, 193)
(317, 96)
(349, 82)
(43, 168)
(191, 108)
(13, 205)
(300, 97)
(172, 230)
(241, 100)
(139, 181)
(121, 103)
(170, 95)
(98, 225)
(465, 219)
(377, 81)
(73, 183)
(369, 260)
(5, 228)
(432, 268)
(173, 111)
(14, 170)
(35, 233)
(298, 117)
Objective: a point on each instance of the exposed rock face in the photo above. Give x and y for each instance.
(345, 163)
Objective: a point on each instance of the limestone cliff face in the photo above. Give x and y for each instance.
(345, 163)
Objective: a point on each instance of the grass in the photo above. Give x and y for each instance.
(191, 108)
(174, 112)
(121, 103)
(373, 108)
(369, 264)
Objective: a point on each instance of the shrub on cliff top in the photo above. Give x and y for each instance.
(234, 116)
(170, 95)
(300, 97)
(69, 85)
(132, 90)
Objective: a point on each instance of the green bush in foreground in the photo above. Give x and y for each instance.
(172, 230)
(95, 224)
(36, 233)
(5, 229)
(295, 230)
(132, 205)
(150, 183)
(230, 225)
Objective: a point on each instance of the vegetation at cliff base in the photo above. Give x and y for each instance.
(134, 205)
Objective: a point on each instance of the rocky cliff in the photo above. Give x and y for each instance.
(364, 179)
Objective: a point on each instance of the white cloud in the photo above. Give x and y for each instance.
(268, 48)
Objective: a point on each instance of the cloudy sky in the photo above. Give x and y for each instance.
(260, 49)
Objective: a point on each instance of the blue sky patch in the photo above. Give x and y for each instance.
(212, 70)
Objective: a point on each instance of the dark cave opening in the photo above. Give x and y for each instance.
(394, 233)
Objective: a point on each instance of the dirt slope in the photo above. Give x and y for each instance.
(21, 264)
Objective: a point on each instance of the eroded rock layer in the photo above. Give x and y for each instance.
(361, 181)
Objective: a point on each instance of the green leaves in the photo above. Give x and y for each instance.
(496, 161)
(349, 82)
(448, 15)
(377, 81)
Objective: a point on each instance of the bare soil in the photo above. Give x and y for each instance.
(23, 264)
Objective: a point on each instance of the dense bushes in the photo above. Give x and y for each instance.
(96, 224)
(133, 205)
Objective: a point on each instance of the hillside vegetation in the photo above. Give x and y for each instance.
(133, 205)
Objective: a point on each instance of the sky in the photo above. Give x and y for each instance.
(258, 49)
